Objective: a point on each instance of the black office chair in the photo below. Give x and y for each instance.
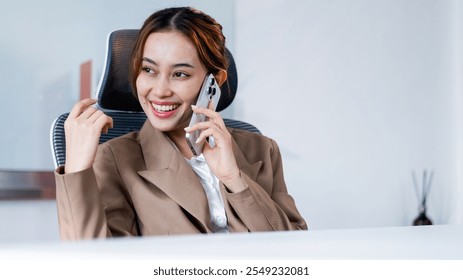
(116, 99)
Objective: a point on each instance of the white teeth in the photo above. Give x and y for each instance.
(164, 108)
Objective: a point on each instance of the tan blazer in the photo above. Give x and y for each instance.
(141, 185)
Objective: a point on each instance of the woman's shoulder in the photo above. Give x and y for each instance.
(248, 140)
(122, 151)
(123, 143)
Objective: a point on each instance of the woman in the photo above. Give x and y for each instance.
(149, 182)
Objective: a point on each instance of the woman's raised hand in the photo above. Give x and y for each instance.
(83, 128)
(220, 157)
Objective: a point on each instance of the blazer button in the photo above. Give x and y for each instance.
(220, 221)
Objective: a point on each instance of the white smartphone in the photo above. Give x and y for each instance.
(209, 92)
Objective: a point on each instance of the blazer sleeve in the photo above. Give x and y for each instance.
(92, 203)
(267, 208)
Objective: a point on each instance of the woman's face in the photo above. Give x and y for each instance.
(169, 81)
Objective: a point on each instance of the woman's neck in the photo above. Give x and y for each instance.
(178, 138)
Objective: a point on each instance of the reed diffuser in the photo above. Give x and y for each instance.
(421, 195)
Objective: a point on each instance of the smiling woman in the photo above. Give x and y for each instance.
(149, 182)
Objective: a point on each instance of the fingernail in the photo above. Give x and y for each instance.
(198, 140)
(194, 106)
(187, 128)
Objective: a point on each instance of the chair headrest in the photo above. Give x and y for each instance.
(114, 91)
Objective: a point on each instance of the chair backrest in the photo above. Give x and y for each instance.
(116, 99)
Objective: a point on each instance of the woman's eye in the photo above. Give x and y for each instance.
(180, 75)
(147, 70)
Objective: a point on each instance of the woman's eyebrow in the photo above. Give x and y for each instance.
(177, 65)
(149, 60)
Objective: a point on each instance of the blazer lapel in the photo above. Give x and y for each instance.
(169, 171)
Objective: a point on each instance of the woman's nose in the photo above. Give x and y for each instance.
(162, 88)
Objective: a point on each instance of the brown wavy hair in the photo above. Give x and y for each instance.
(201, 29)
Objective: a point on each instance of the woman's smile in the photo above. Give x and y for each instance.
(164, 110)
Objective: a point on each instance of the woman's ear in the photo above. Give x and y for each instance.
(221, 77)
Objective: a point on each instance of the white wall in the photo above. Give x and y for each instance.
(358, 94)
(459, 74)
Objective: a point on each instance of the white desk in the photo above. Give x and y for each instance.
(431, 242)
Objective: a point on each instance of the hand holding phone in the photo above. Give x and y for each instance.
(209, 93)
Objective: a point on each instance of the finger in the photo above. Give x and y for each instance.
(92, 116)
(88, 113)
(212, 116)
(80, 107)
(105, 129)
(217, 134)
(210, 106)
(104, 122)
(205, 111)
(201, 126)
